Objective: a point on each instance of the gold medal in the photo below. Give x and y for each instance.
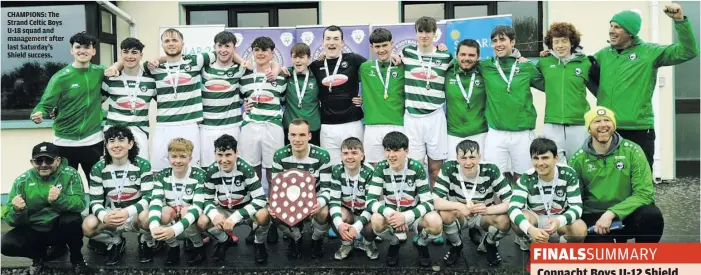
(386, 96)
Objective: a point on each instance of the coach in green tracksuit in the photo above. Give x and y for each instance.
(616, 183)
(46, 202)
(629, 69)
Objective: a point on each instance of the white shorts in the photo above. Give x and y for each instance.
(164, 133)
(372, 142)
(141, 139)
(259, 141)
(569, 138)
(428, 135)
(505, 147)
(208, 135)
(332, 135)
(454, 141)
(543, 224)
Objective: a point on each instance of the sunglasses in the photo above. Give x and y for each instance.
(45, 160)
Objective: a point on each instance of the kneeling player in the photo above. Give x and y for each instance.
(347, 206)
(552, 194)
(123, 180)
(408, 203)
(233, 194)
(184, 200)
(465, 198)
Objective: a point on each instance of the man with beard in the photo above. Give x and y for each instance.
(616, 183)
(45, 207)
(341, 112)
(131, 95)
(120, 189)
(546, 204)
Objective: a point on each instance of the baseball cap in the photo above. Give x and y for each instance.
(45, 149)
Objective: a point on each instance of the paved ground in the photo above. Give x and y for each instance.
(678, 200)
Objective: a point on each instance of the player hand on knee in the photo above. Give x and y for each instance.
(344, 231)
(553, 224)
(479, 209)
(538, 235)
(218, 221)
(315, 209)
(397, 219)
(117, 217)
(401, 228)
(465, 211)
(228, 225)
(163, 233)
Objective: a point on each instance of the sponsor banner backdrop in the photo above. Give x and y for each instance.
(403, 35)
(478, 28)
(283, 38)
(197, 38)
(355, 38)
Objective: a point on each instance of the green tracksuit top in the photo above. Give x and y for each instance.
(76, 93)
(510, 110)
(465, 119)
(619, 180)
(566, 83)
(378, 109)
(39, 213)
(628, 78)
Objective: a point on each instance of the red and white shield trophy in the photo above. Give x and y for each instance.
(292, 195)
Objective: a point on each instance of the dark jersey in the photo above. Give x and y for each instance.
(336, 105)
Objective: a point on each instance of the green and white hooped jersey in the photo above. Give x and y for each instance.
(128, 186)
(221, 99)
(129, 103)
(169, 191)
(349, 192)
(266, 97)
(239, 191)
(424, 93)
(402, 191)
(450, 181)
(316, 163)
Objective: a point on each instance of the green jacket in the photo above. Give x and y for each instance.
(465, 120)
(566, 83)
(76, 95)
(619, 180)
(628, 78)
(39, 214)
(510, 110)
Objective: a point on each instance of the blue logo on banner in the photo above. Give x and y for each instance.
(479, 29)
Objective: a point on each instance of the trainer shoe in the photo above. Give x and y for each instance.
(173, 257)
(145, 253)
(451, 258)
(261, 254)
(371, 251)
(220, 249)
(343, 251)
(196, 256)
(392, 254)
(523, 243)
(424, 256)
(114, 254)
(493, 257)
(317, 249)
(97, 247)
(293, 249)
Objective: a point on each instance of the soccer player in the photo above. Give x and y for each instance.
(120, 189)
(546, 204)
(424, 119)
(408, 203)
(131, 95)
(383, 97)
(616, 183)
(510, 113)
(567, 76)
(262, 133)
(302, 95)
(465, 192)
(299, 154)
(45, 207)
(72, 98)
(349, 181)
(466, 98)
(630, 64)
(175, 211)
(233, 194)
(341, 112)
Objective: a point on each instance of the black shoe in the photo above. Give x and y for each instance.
(145, 253)
(293, 249)
(79, 265)
(261, 253)
(196, 256)
(159, 246)
(392, 254)
(317, 249)
(220, 249)
(189, 246)
(173, 255)
(97, 247)
(475, 235)
(115, 254)
(37, 266)
(493, 257)
(54, 252)
(272, 234)
(424, 256)
(451, 258)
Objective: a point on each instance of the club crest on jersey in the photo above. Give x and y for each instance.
(482, 190)
(311, 85)
(560, 192)
(143, 89)
(311, 170)
(188, 191)
(592, 167)
(230, 73)
(577, 71)
(620, 165)
(187, 67)
(478, 82)
(237, 183)
(344, 64)
(394, 74)
(361, 188)
(410, 183)
(438, 62)
(633, 56)
(59, 186)
(273, 83)
(517, 70)
(132, 178)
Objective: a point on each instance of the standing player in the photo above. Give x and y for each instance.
(408, 203)
(304, 156)
(120, 190)
(510, 112)
(262, 133)
(349, 181)
(233, 193)
(131, 95)
(465, 198)
(383, 97)
(302, 95)
(341, 114)
(175, 211)
(465, 98)
(567, 75)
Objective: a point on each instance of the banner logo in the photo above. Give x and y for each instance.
(239, 38)
(307, 38)
(358, 36)
(402, 44)
(286, 38)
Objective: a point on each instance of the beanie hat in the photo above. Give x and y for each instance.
(630, 21)
(598, 111)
